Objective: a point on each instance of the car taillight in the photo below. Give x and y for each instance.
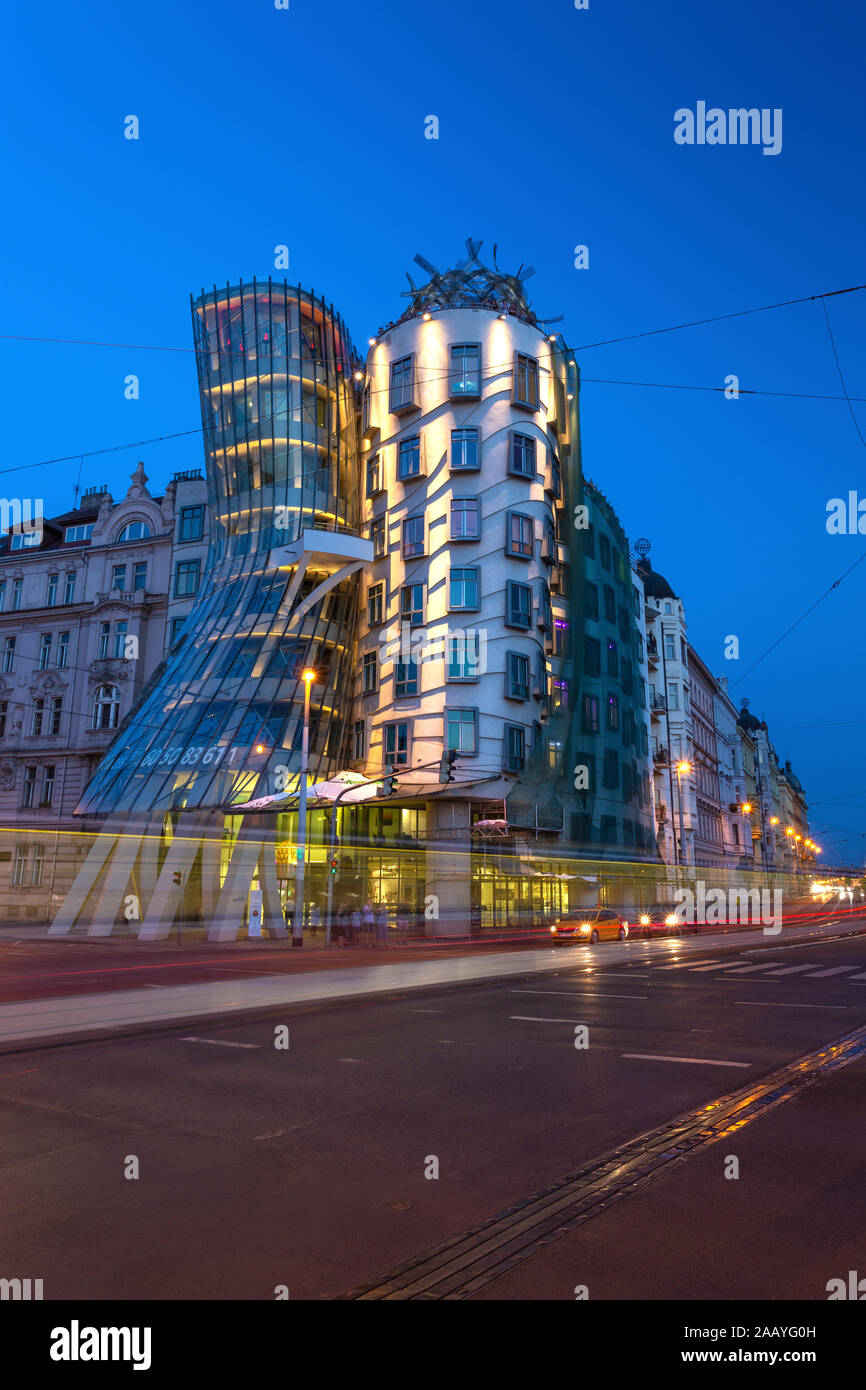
(553, 929)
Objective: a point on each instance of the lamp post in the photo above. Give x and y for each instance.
(308, 677)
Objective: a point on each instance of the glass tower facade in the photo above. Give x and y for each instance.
(221, 719)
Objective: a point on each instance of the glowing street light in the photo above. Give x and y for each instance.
(746, 808)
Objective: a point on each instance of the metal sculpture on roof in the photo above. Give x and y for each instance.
(471, 283)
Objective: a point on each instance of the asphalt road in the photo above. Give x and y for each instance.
(305, 1167)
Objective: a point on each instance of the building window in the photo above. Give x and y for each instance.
(120, 638)
(29, 787)
(609, 604)
(106, 708)
(463, 660)
(37, 865)
(396, 743)
(604, 551)
(47, 786)
(4, 708)
(2, 594)
(555, 475)
(24, 540)
(522, 457)
(402, 394)
(554, 754)
(515, 748)
(668, 609)
(464, 449)
(37, 718)
(359, 740)
(461, 731)
(413, 537)
(44, 650)
(520, 536)
(118, 577)
(673, 696)
(377, 536)
(612, 658)
(175, 629)
(186, 578)
(670, 654)
(53, 580)
(465, 377)
(69, 588)
(519, 609)
(592, 656)
(560, 637)
(79, 533)
(104, 634)
(463, 589)
(412, 604)
(613, 713)
(590, 594)
(525, 381)
(191, 524)
(55, 713)
(20, 866)
(409, 458)
(374, 476)
(9, 655)
(590, 714)
(405, 679)
(371, 672)
(17, 589)
(560, 694)
(465, 519)
(139, 575)
(375, 604)
(516, 676)
(134, 531)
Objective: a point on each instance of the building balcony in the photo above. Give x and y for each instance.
(652, 653)
(661, 756)
(658, 706)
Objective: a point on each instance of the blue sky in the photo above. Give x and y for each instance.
(306, 127)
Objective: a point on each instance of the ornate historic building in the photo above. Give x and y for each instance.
(85, 614)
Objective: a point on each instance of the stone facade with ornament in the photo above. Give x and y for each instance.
(89, 601)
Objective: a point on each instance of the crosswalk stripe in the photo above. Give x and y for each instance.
(790, 970)
(682, 964)
(719, 965)
(834, 970)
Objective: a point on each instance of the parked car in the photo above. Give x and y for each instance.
(590, 924)
(663, 919)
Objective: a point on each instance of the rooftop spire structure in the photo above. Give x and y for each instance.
(472, 284)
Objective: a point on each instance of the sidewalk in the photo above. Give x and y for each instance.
(351, 973)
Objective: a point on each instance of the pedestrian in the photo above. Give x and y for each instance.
(340, 927)
(354, 926)
(381, 918)
(403, 919)
(368, 922)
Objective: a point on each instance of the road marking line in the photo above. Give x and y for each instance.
(530, 1018)
(219, 1042)
(702, 1061)
(746, 969)
(777, 1004)
(679, 964)
(790, 970)
(861, 976)
(584, 994)
(834, 970)
(25, 1072)
(719, 965)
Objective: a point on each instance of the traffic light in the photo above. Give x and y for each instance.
(389, 782)
(333, 865)
(445, 767)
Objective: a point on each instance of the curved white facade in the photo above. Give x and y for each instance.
(465, 423)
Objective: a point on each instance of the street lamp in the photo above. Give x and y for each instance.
(307, 677)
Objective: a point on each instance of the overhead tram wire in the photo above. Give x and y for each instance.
(488, 375)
